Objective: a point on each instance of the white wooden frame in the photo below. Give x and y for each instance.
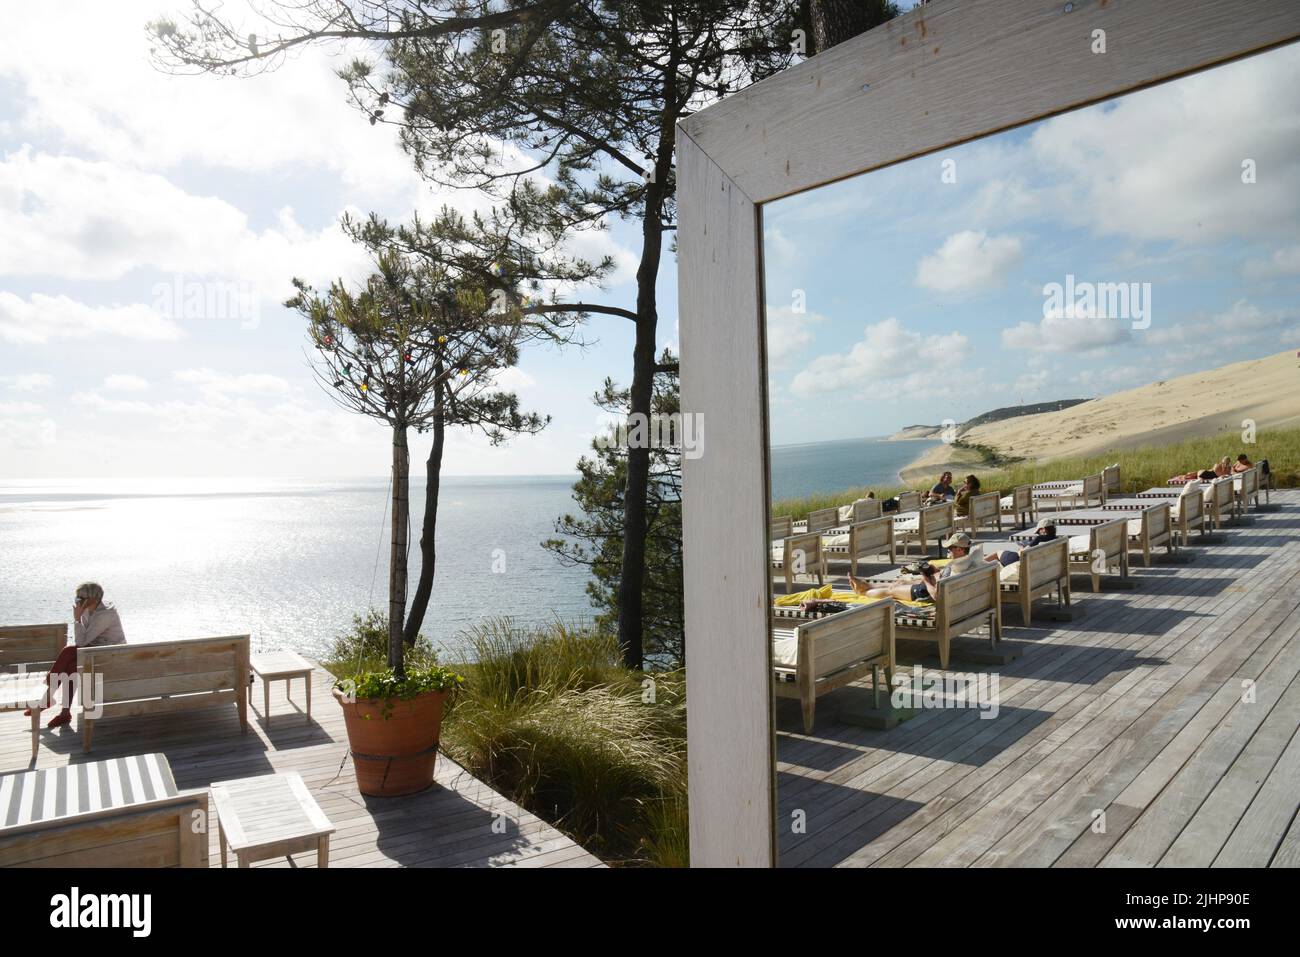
(943, 74)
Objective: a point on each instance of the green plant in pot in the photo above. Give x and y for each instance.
(393, 723)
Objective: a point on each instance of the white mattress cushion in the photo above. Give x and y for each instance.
(1010, 573)
(1080, 543)
(785, 648)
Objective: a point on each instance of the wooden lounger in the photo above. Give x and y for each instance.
(779, 528)
(1058, 495)
(125, 812)
(1042, 570)
(1248, 491)
(1188, 512)
(822, 520)
(862, 510)
(982, 510)
(1020, 505)
(1094, 549)
(163, 676)
(800, 555)
(1150, 526)
(908, 501)
(818, 655)
(862, 540)
(934, 522)
(31, 645)
(965, 602)
(1111, 481)
(1221, 501)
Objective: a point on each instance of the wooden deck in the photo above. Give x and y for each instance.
(450, 825)
(1135, 710)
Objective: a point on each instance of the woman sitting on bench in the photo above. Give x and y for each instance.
(95, 622)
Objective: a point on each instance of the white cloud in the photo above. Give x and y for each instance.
(887, 353)
(125, 383)
(25, 426)
(788, 333)
(80, 219)
(1283, 262)
(221, 386)
(40, 318)
(1066, 330)
(969, 260)
(27, 381)
(1167, 163)
(1243, 323)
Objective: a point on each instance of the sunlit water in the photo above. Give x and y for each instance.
(819, 467)
(288, 563)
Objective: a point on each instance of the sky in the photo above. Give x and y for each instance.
(920, 293)
(149, 229)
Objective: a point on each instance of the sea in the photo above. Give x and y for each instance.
(288, 563)
(819, 467)
(291, 562)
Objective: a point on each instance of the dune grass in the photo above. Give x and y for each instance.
(551, 719)
(1139, 468)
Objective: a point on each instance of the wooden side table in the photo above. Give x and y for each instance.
(272, 815)
(279, 666)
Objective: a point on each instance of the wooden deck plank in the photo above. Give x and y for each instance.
(449, 825)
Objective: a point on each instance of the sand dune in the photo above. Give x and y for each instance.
(1266, 391)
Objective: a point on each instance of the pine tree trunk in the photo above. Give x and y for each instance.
(397, 559)
(428, 532)
(631, 630)
(829, 22)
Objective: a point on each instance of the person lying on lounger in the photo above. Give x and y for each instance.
(95, 622)
(1044, 531)
(942, 491)
(925, 586)
(1242, 464)
(969, 488)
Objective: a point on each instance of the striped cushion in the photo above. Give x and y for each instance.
(30, 796)
(914, 618)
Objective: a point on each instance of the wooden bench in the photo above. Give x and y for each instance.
(964, 602)
(1019, 505)
(981, 511)
(1042, 570)
(817, 656)
(126, 812)
(867, 539)
(1189, 513)
(934, 522)
(31, 645)
(163, 676)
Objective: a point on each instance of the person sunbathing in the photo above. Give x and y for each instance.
(1044, 531)
(1242, 464)
(1223, 467)
(95, 622)
(925, 586)
(942, 490)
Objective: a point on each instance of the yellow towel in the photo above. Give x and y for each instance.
(824, 594)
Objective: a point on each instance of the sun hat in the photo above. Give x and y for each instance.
(957, 540)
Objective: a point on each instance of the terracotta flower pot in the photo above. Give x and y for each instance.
(393, 755)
